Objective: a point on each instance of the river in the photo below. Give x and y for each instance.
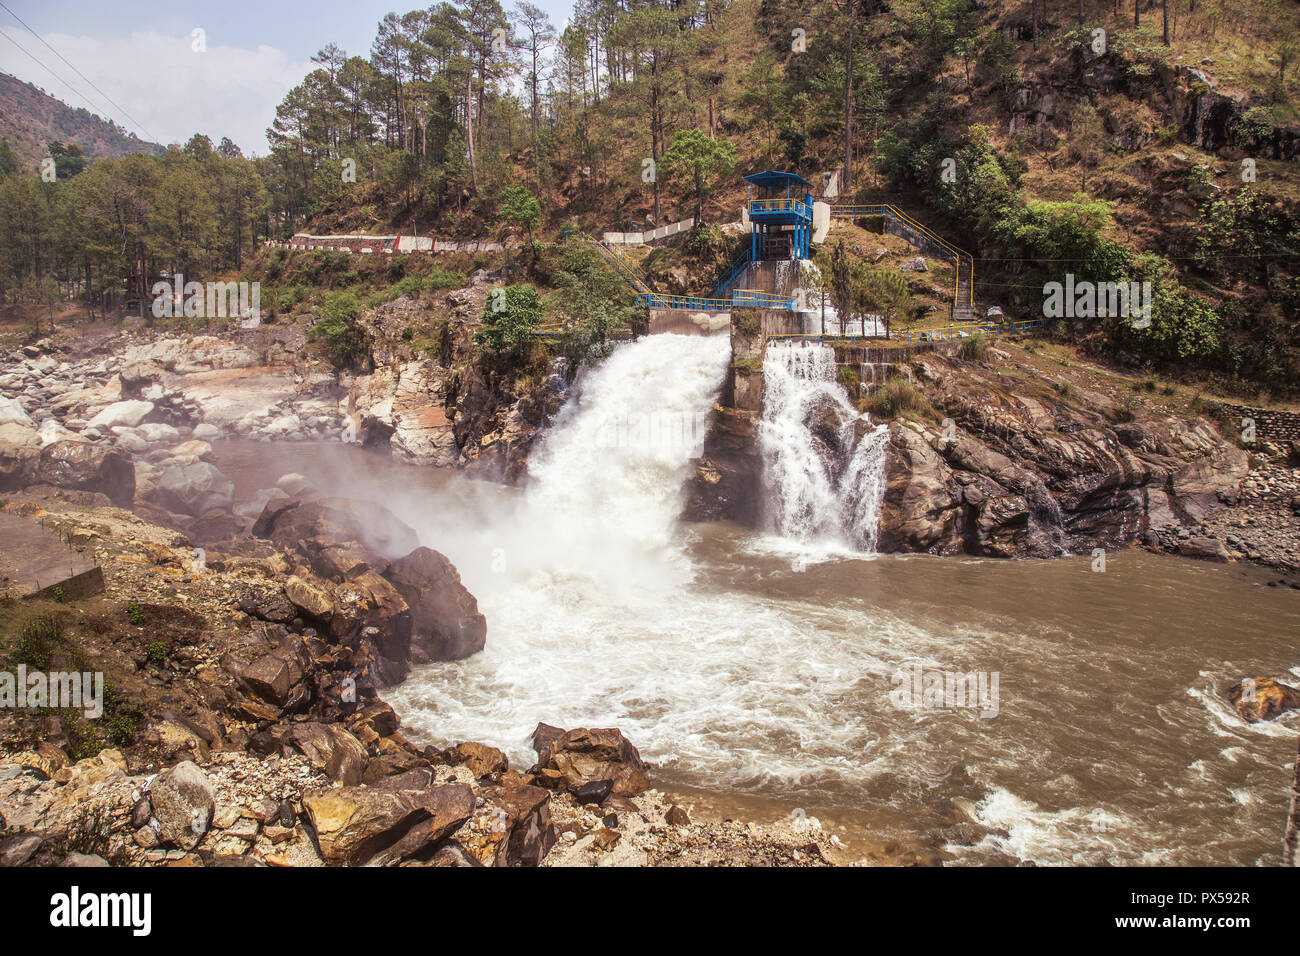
(772, 668)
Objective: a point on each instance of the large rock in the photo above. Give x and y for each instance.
(194, 489)
(129, 413)
(20, 446)
(310, 595)
(332, 749)
(512, 827)
(365, 601)
(272, 666)
(87, 467)
(386, 823)
(576, 758)
(335, 520)
(445, 621)
(1262, 698)
(182, 800)
(13, 413)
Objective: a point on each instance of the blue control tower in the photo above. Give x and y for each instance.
(780, 213)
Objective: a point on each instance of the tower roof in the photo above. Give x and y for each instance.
(775, 179)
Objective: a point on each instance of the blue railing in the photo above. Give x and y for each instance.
(767, 206)
(733, 272)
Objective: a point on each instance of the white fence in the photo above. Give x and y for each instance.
(368, 244)
(638, 238)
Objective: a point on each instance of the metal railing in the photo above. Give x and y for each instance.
(950, 332)
(733, 272)
(760, 299)
(691, 303)
(917, 336)
(629, 270)
(780, 205)
(959, 257)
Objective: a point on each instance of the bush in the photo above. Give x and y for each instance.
(37, 640)
(135, 614)
(974, 349)
(510, 319)
(898, 398)
(157, 652)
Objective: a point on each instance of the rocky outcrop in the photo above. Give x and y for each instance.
(1262, 698)
(570, 760)
(295, 525)
(445, 621)
(726, 481)
(1027, 473)
(87, 467)
(397, 819)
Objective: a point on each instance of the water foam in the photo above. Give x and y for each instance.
(811, 493)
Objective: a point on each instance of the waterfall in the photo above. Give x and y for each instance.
(819, 485)
(614, 463)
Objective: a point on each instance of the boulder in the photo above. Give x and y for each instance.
(445, 621)
(87, 467)
(129, 413)
(518, 830)
(1262, 698)
(20, 446)
(1209, 549)
(182, 800)
(336, 520)
(332, 749)
(13, 413)
(388, 822)
(311, 595)
(368, 601)
(194, 489)
(194, 448)
(579, 757)
(206, 432)
(482, 760)
(18, 849)
(156, 433)
(272, 667)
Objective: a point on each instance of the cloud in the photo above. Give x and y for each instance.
(170, 90)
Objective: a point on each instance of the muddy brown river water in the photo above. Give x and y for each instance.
(746, 665)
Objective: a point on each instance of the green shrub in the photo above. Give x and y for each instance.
(157, 652)
(511, 317)
(37, 639)
(974, 349)
(136, 614)
(847, 376)
(898, 398)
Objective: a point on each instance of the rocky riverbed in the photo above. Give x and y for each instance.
(245, 724)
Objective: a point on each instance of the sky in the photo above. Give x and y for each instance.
(145, 70)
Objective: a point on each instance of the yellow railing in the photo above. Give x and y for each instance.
(959, 256)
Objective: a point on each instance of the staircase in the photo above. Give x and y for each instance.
(899, 223)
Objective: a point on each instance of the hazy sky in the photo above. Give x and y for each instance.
(140, 54)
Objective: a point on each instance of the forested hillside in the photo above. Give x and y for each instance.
(1142, 141)
(31, 119)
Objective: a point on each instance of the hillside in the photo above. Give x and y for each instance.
(30, 119)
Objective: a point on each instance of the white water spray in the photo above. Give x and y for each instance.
(816, 490)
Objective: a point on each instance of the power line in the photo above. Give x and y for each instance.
(24, 51)
(74, 69)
